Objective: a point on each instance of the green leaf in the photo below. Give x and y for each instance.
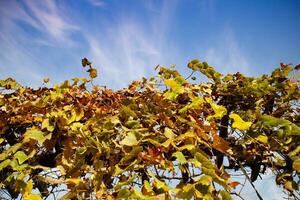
(11, 149)
(187, 192)
(124, 193)
(46, 125)
(205, 180)
(4, 164)
(239, 123)
(205, 162)
(180, 157)
(35, 134)
(211, 172)
(129, 140)
(225, 195)
(169, 133)
(21, 157)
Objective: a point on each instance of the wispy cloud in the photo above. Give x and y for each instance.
(129, 50)
(50, 20)
(124, 51)
(227, 53)
(97, 3)
(27, 26)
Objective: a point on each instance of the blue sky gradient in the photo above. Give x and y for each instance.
(126, 39)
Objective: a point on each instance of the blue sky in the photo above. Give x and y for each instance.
(126, 39)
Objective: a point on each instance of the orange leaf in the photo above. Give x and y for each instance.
(220, 144)
(234, 184)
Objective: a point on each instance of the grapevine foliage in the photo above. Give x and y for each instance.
(161, 137)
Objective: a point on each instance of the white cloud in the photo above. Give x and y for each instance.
(50, 20)
(97, 3)
(129, 50)
(227, 53)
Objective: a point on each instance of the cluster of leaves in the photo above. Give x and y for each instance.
(147, 142)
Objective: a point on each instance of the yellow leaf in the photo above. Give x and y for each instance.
(239, 123)
(172, 84)
(169, 133)
(93, 72)
(262, 139)
(129, 140)
(46, 125)
(21, 157)
(33, 197)
(219, 110)
(46, 80)
(75, 181)
(180, 157)
(296, 165)
(35, 134)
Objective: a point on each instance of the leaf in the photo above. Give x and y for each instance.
(4, 164)
(239, 123)
(187, 192)
(220, 144)
(296, 165)
(124, 193)
(196, 103)
(21, 157)
(233, 184)
(172, 84)
(46, 125)
(129, 140)
(147, 189)
(291, 185)
(169, 133)
(35, 134)
(205, 162)
(225, 195)
(11, 149)
(33, 197)
(205, 180)
(85, 62)
(211, 172)
(219, 110)
(75, 181)
(93, 72)
(263, 139)
(46, 80)
(180, 157)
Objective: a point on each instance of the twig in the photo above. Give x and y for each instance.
(243, 186)
(244, 171)
(234, 193)
(190, 75)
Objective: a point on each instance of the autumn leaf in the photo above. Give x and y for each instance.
(93, 72)
(239, 123)
(129, 140)
(46, 80)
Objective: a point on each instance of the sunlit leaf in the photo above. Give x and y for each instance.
(296, 165)
(35, 134)
(21, 156)
(180, 157)
(239, 123)
(169, 133)
(262, 139)
(129, 140)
